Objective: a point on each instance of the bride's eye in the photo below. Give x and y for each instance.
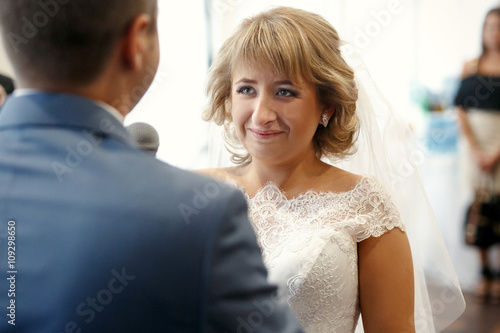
(286, 93)
(245, 90)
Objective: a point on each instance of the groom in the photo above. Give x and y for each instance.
(95, 234)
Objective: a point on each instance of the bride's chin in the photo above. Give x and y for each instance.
(267, 157)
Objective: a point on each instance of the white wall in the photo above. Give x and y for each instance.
(174, 103)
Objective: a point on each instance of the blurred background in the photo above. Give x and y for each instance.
(415, 50)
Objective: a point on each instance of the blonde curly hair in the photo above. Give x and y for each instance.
(302, 46)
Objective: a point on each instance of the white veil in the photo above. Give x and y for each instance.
(388, 151)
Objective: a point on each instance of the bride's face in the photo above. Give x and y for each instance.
(275, 119)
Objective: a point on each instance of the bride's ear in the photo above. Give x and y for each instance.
(330, 111)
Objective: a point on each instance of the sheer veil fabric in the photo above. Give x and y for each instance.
(388, 152)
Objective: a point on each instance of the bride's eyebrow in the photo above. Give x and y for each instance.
(277, 83)
(288, 82)
(245, 80)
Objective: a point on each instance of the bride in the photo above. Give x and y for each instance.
(332, 240)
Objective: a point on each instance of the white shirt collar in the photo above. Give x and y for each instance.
(114, 112)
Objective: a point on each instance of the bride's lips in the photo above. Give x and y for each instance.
(264, 134)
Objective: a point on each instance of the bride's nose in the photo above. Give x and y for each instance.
(263, 111)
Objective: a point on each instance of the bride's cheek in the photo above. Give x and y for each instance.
(240, 120)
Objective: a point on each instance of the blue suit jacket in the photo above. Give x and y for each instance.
(98, 236)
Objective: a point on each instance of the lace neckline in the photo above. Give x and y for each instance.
(271, 190)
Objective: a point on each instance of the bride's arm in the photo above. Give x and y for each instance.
(386, 283)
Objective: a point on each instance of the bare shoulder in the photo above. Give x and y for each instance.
(470, 68)
(338, 180)
(212, 172)
(223, 174)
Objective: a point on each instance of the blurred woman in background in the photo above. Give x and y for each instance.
(478, 102)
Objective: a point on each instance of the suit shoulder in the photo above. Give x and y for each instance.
(215, 188)
(224, 174)
(154, 180)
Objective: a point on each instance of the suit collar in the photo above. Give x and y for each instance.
(107, 107)
(60, 110)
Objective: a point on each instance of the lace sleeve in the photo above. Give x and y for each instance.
(373, 212)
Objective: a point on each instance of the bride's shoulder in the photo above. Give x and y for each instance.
(223, 174)
(338, 180)
(211, 172)
(341, 181)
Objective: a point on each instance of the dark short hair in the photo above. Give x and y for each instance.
(7, 83)
(65, 41)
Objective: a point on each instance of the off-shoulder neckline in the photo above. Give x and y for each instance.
(475, 75)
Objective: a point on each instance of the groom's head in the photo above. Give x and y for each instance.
(74, 42)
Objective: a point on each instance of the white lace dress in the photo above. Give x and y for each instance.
(309, 246)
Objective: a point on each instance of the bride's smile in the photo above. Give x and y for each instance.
(264, 134)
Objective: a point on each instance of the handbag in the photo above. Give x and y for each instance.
(482, 220)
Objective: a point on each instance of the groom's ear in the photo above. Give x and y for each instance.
(136, 42)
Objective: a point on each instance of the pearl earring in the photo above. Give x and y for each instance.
(324, 119)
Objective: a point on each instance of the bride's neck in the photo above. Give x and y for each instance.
(286, 175)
